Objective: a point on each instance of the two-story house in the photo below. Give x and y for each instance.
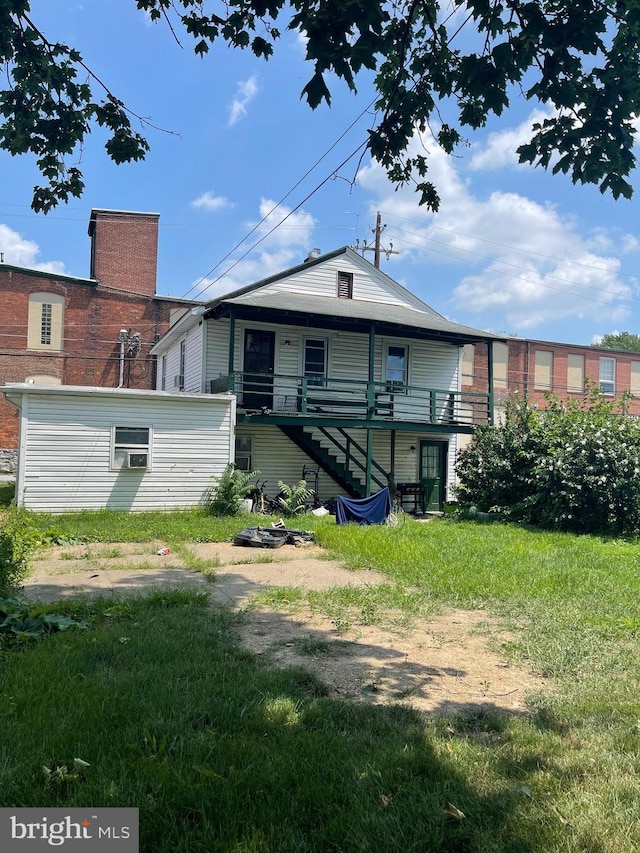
(338, 368)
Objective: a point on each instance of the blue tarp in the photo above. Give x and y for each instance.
(372, 510)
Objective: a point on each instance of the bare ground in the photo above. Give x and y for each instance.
(446, 663)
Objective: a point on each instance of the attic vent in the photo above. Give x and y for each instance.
(345, 285)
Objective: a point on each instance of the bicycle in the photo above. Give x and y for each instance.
(262, 504)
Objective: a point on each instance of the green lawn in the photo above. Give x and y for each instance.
(221, 752)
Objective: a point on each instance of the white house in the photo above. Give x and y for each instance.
(335, 366)
(91, 448)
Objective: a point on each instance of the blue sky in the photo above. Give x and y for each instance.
(512, 249)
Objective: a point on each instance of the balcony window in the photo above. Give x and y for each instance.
(315, 360)
(396, 366)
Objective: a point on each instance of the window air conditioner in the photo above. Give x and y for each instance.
(136, 459)
(178, 380)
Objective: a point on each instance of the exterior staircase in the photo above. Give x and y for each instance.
(339, 455)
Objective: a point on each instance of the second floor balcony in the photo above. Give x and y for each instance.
(309, 398)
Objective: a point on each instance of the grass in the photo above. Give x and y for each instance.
(220, 752)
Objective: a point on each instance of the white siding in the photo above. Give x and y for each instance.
(277, 458)
(431, 364)
(66, 443)
(368, 284)
(194, 355)
(194, 373)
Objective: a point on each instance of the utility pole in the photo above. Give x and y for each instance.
(376, 248)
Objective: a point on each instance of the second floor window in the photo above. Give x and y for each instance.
(396, 366)
(45, 329)
(45, 323)
(607, 376)
(315, 360)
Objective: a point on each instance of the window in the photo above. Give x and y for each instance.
(468, 354)
(131, 448)
(575, 373)
(607, 376)
(396, 366)
(45, 323)
(634, 385)
(345, 285)
(500, 365)
(315, 360)
(543, 370)
(45, 326)
(163, 373)
(244, 452)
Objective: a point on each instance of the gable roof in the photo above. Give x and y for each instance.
(331, 312)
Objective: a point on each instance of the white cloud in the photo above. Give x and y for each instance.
(532, 264)
(288, 244)
(24, 253)
(211, 202)
(245, 93)
(499, 150)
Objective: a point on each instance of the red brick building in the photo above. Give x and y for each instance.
(535, 368)
(62, 330)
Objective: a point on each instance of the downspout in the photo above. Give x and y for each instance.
(123, 339)
(526, 370)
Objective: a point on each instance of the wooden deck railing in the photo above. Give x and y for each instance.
(350, 398)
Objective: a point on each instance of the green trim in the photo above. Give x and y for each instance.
(351, 423)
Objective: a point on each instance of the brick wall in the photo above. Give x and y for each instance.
(124, 248)
(521, 370)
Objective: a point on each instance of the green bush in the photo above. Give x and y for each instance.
(18, 537)
(294, 498)
(571, 466)
(229, 489)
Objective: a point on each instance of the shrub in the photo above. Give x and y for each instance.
(18, 537)
(229, 489)
(571, 466)
(294, 498)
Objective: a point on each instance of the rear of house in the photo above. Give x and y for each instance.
(337, 369)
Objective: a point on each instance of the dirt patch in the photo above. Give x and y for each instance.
(446, 663)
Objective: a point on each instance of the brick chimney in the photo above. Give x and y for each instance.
(124, 249)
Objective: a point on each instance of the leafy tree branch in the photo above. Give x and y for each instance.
(581, 60)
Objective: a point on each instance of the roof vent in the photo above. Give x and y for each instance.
(313, 254)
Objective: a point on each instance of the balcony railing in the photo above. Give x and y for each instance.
(352, 398)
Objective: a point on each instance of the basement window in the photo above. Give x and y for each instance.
(130, 448)
(345, 285)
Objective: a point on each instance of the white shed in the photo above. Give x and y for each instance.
(118, 448)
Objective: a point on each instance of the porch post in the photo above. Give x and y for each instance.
(372, 352)
(490, 378)
(392, 462)
(371, 396)
(232, 338)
